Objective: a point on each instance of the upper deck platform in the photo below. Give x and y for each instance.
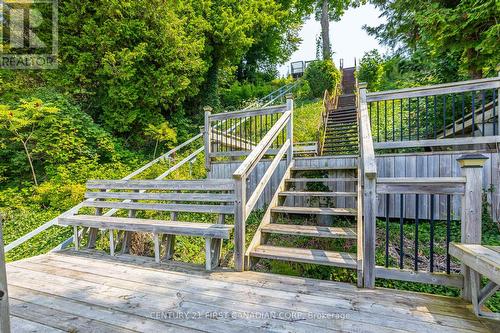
(92, 292)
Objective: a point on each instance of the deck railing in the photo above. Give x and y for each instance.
(411, 258)
(281, 135)
(438, 115)
(329, 102)
(366, 194)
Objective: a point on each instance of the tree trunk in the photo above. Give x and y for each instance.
(325, 30)
(210, 95)
(474, 71)
(31, 162)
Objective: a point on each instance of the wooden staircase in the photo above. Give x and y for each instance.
(307, 217)
(341, 137)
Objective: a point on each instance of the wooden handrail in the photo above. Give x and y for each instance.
(243, 207)
(368, 191)
(438, 89)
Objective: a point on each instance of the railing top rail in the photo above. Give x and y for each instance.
(248, 112)
(438, 89)
(251, 161)
(366, 140)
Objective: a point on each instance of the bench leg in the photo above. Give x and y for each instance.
(76, 239)
(208, 254)
(169, 241)
(111, 242)
(157, 247)
(92, 237)
(474, 289)
(127, 236)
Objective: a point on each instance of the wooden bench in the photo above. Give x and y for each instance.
(480, 260)
(214, 196)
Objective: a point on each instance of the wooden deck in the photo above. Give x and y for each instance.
(90, 292)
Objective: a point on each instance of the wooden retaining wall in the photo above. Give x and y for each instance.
(433, 164)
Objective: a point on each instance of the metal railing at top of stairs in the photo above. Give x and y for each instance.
(263, 102)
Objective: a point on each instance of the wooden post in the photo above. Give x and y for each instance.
(4, 295)
(207, 136)
(498, 110)
(369, 171)
(289, 128)
(239, 223)
(472, 169)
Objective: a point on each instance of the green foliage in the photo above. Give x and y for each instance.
(466, 29)
(322, 75)
(128, 61)
(306, 117)
(371, 70)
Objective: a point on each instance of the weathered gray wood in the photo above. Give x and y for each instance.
(207, 138)
(315, 210)
(4, 294)
(471, 220)
(366, 141)
(317, 194)
(173, 196)
(147, 225)
(239, 222)
(289, 128)
(478, 257)
(194, 185)
(438, 142)
(369, 230)
(338, 259)
(438, 89)
(437, 185)
(111, 242)
(440, 279)
(265, 179)
(321, 180)
(248, 113)
(213, 209)
(311, 231)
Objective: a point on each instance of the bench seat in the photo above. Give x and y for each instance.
(221, 231)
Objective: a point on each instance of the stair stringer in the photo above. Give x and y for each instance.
(266, 219)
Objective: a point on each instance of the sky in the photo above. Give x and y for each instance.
(347, 37)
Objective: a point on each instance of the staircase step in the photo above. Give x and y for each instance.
(320, 257)
(310, 231)
(315, 210)
(328, 168)
(317, 194)
(320, 180)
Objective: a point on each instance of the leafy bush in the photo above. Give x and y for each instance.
(321, 75)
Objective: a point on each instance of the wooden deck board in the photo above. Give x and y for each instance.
(128, 293)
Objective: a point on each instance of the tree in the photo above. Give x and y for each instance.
(331, 10)
(229, 28)
(439, 28)
(22, 124)
(371, 69)
(161, 133)
(129, 62)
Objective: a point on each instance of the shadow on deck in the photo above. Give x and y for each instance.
(91, 292)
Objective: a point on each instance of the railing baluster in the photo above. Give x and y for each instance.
(426, 117)
(453, 113)
(401, 236)
(435, 117)
(495, 132)
(393, 122)
(378, 122)
(431, 264)
(444, 116)
(409, 118)
(401, 118)
(387, 230)
(463, 114)
(473, 114)
(385, 119)
(483, 102)
(416, 232)
(418, 119)
(448, 232)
